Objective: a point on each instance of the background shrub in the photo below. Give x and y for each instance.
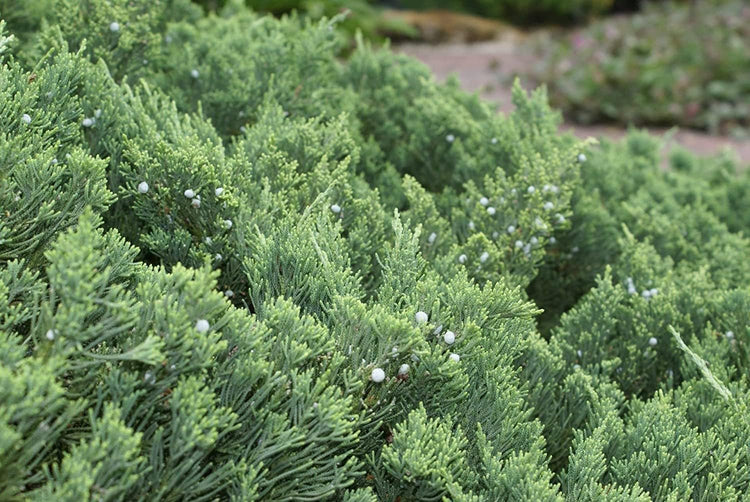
(668, 65)
(519, 11)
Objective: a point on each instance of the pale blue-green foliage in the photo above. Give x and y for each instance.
(319, 404)
(634, 304)
(48, 180)
(428, 457)
(220, 334)
(521, 476)
(694, 263)
(4, 38)
(584, 478)
(298, 159)
(688, 213)
(676, 470)
(436, 236)
(229, 66)
(184, 443)
(303, 259)
(124, 33)
(725, 427)
(34, 414)
(108, 464)
(89, 309)
(289, 402)
(158, 374)
(725, 199)
(361, 495)
(18, 285)
(451, 137)
(519, 215)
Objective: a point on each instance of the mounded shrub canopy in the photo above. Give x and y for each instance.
(236, 267)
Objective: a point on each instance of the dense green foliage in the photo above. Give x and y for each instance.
(360, 16)
(234, 267)
(25, 16)
(671, 64)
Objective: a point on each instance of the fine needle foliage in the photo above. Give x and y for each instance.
(235, 266)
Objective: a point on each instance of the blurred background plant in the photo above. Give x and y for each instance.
(23, 17)
(524, 12)
(360, 15)
(671, 64)
(530, 12)
(378, 18)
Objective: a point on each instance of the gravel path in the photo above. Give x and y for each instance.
(481, 67)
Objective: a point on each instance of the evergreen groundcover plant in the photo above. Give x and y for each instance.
(236, 267)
